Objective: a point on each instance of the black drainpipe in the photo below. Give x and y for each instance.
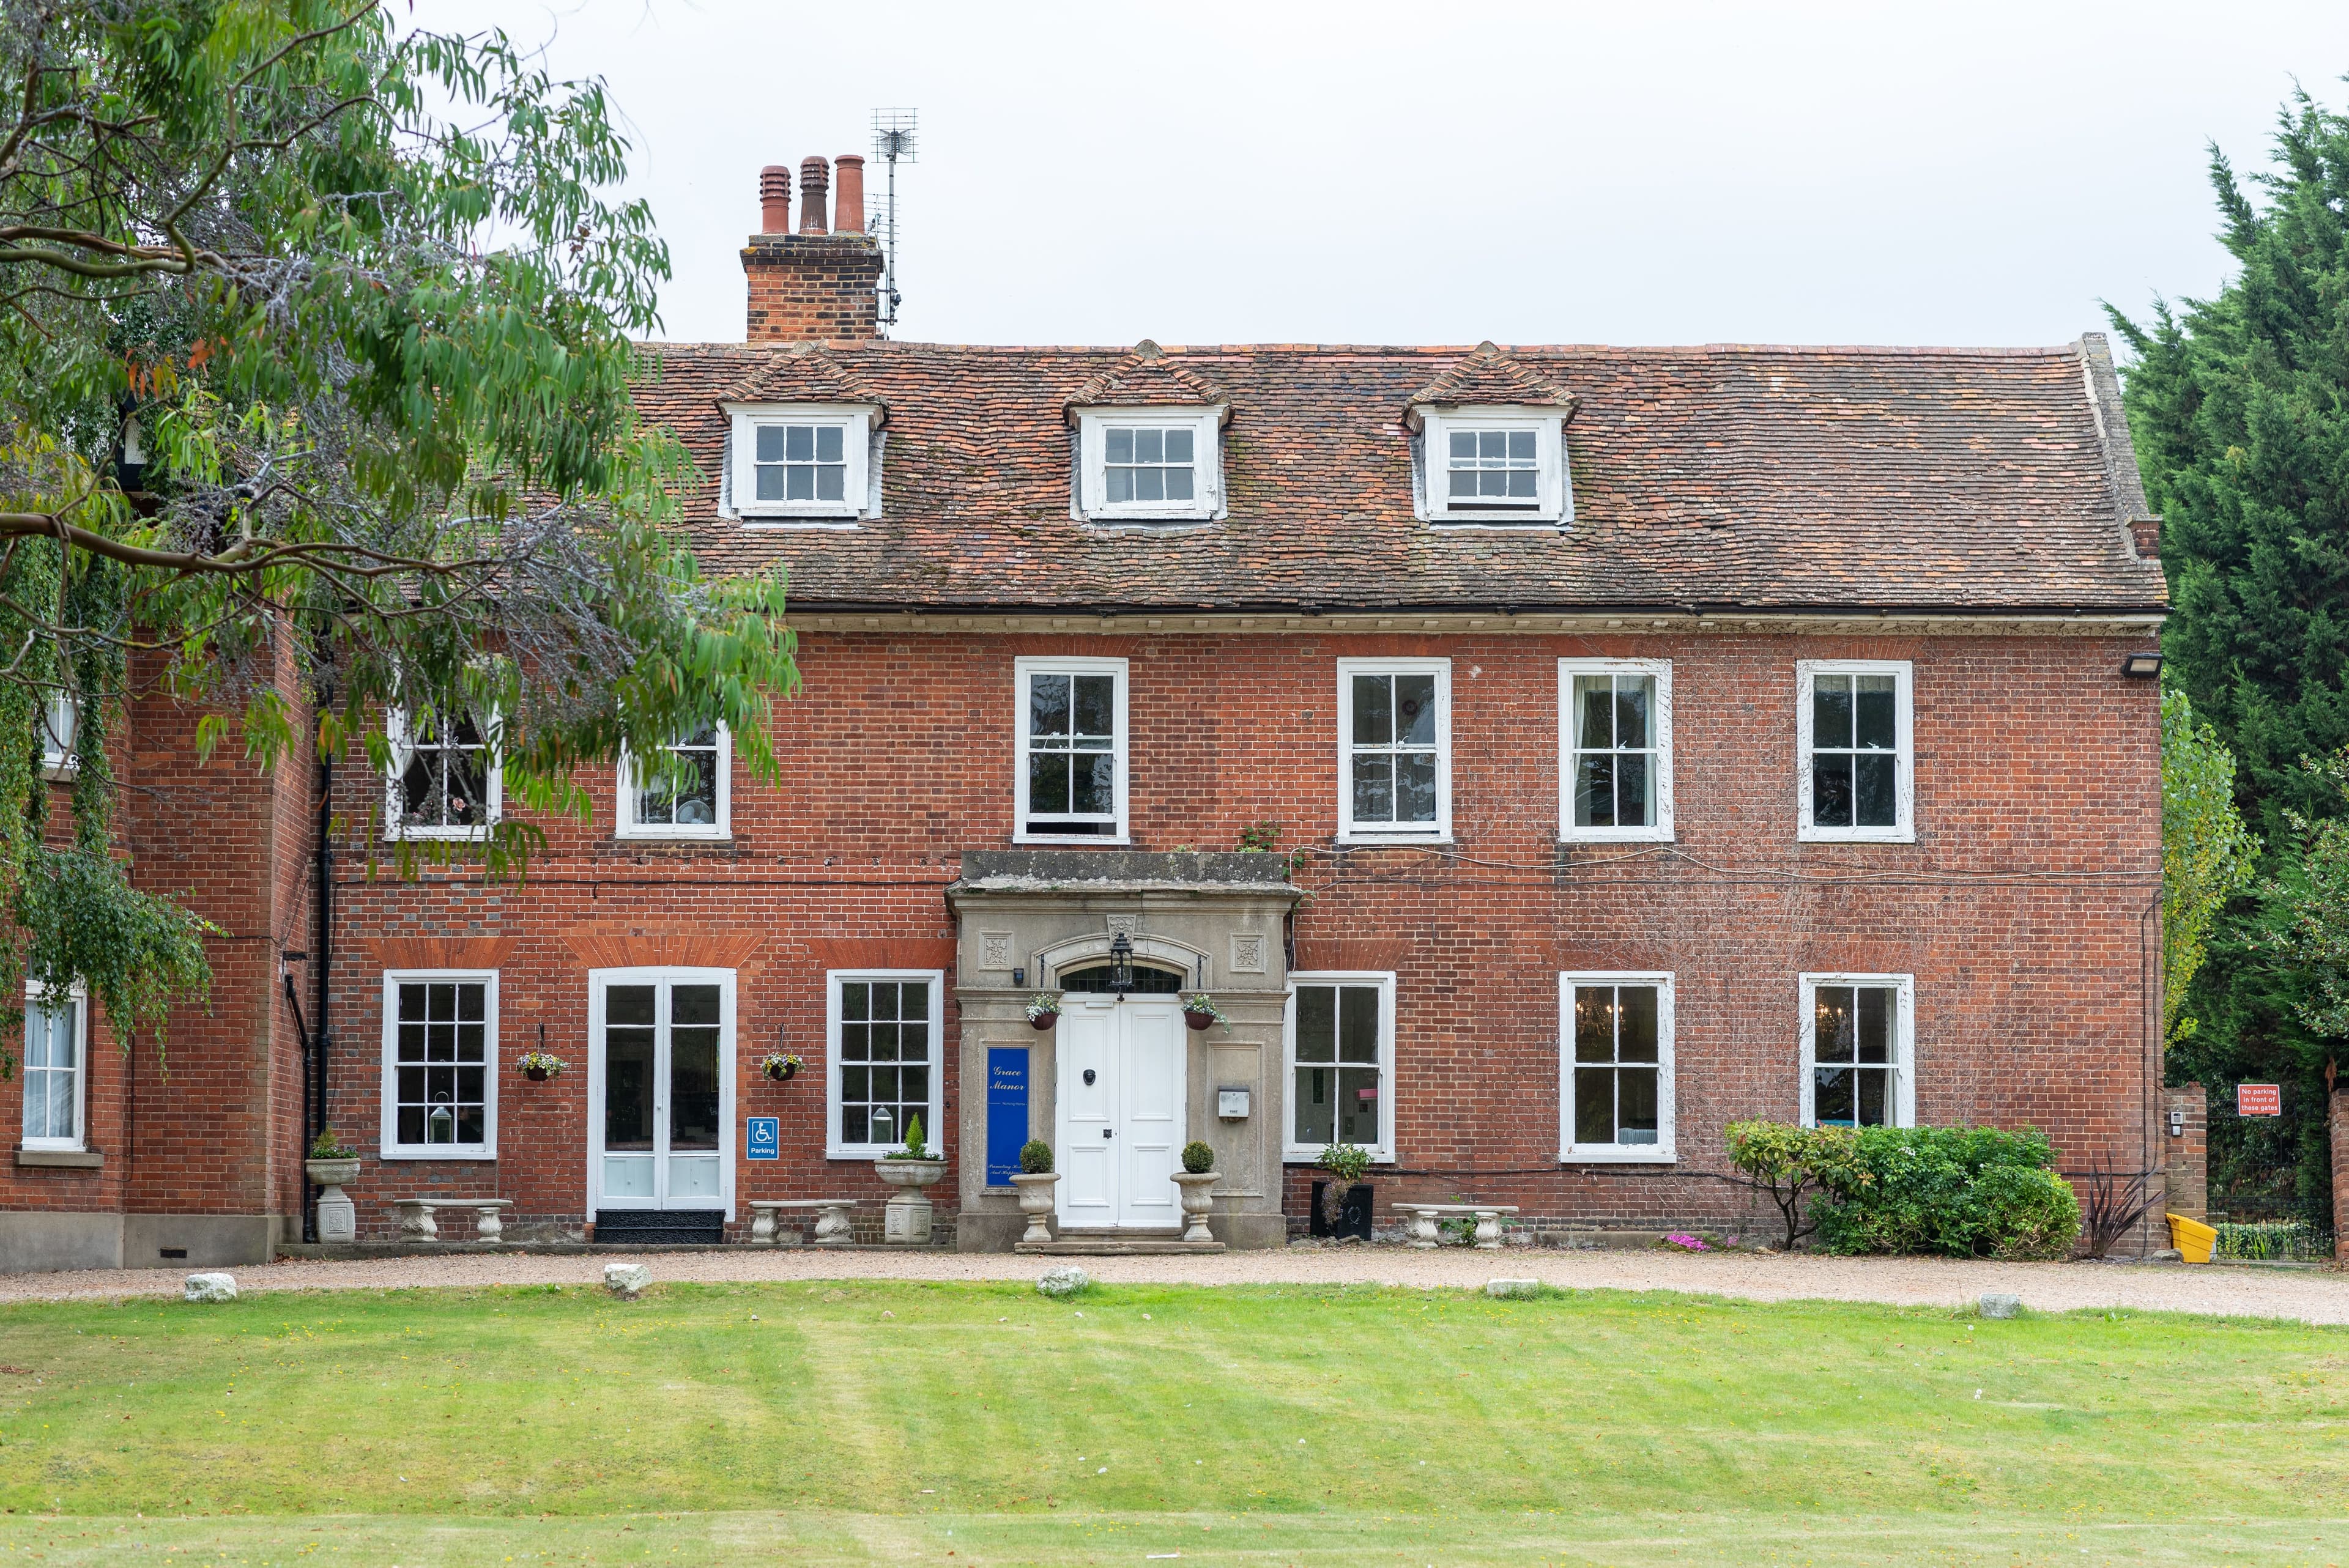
(323, 944)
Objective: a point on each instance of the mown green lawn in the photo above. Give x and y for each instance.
(983, 1424)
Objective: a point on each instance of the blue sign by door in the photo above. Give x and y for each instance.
(1007, 1112)
(764, 1135)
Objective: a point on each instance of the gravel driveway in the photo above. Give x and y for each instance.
(2308, 1297)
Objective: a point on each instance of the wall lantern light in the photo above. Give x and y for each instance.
(1121, 965)
(2140, 667)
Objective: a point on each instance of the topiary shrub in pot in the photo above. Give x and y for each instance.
(1035, 1179)
(1197, 1181)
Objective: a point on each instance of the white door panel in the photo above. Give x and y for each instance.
(660, 1076)
(1121, 1136)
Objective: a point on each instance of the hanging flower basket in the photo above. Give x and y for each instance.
(538, 1067)
(781, 1066)
(1043, 1009)
(1200, 1012)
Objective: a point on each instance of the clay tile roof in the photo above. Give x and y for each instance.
(1727, 477)
(1148, 378)
(804, 374)
(1489, 375)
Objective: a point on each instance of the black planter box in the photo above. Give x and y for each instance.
(1353, 1213)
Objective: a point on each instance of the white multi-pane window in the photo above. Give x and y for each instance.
(1493, 465)
(1855, 750)
(1615, 749)
(439, 1064)
(60, 730)
(687, 793)
(1340, 1050)
(1615, 1068)
(1149, 464)
(1394, 748)
(888, 1047)
(444, 780)
(800, 462)
(809, 461)
(1072, 749)
(56, 1052)
(1858, 1036)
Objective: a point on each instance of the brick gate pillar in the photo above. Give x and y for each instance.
(2188, 1164)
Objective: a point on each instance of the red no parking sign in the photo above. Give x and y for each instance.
(2258, 1099)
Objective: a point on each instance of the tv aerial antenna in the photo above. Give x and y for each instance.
(892, 142)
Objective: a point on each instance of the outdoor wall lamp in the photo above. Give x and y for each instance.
(2140, 667)
(1121, 965)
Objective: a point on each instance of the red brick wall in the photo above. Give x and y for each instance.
(2023, 909)
(212, 1127)
(820, 287)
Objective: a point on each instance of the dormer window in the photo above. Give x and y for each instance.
(1147, 465)
(799, 463)
(1493, 465)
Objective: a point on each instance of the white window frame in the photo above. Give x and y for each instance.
(60, 756)
(1555, 504)
(1664, 1150)
(1903, 830)
(1121, 746)
(855, 420)
(388, 1144)
(1382, 1153)
(626, 826)
(1904, 1040)
(1436, 832)
(933, 1137)
(396, 732)
(76, 997)
(1661, 670)
(1206, 500)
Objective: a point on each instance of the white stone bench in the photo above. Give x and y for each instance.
(417, 1221)
(1423, 1217)
(832, 1226)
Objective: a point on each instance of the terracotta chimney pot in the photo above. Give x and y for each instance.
(775, 199)
(848, 206)
(814, 176)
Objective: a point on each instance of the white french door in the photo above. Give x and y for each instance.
(660, 1088)
(1120, 1104)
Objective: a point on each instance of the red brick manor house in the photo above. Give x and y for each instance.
(1645, 739)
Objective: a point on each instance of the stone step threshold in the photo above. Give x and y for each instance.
(347, 1252)
(1115, 1247)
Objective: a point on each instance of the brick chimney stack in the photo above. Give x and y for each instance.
(821, 282)
(775, 200)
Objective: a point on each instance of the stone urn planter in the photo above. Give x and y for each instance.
(337, 1219)
(1198, 1192)
(906, 1218)
(1036, 1201)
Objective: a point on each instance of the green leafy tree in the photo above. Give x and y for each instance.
(314, 403)
(2206, 854)
(2308, 914)
(2240, 408)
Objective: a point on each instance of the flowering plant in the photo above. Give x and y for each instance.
(1043, 1004)
(781, 1066)
(1687, 1243)
(540, 1062)
(1200, 1005)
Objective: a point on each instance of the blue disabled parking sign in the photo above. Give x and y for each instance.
(764, 1134)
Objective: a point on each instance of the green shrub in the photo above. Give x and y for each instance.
(1035, 1158)
(1966, 1192)
(1197, 1157)
(1792, 1162)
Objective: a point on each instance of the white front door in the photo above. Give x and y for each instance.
(660, 1088)
(1121, 1112)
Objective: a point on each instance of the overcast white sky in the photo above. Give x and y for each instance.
(1282, 171)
